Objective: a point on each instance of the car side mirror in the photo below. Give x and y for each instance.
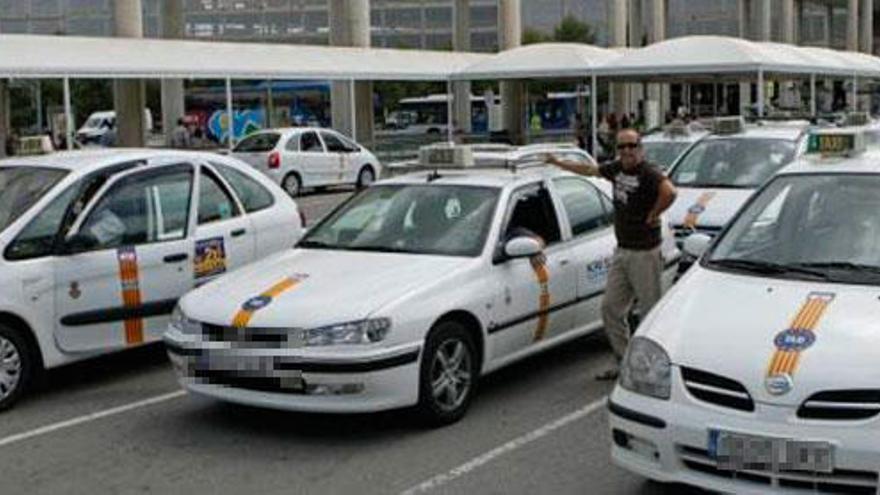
(79, 242)
(522, 247)
(696, 244)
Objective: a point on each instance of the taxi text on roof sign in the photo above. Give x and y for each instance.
(728, 125)
(446, 155)
(835, 143)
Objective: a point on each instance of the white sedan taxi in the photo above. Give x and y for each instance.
(307, 157)
(666, 146)
(758, 372)
(406, 294)
(720, 172)
(97, 246)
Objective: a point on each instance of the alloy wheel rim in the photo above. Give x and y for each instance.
(291, 185)
(10, 367)
(451, 371)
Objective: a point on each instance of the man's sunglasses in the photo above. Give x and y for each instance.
(623, 146)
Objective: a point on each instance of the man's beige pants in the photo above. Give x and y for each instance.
(634, 275)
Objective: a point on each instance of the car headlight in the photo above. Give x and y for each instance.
(183, 323)
(353, 332)
(646, 369)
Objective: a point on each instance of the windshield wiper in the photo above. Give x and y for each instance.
(841, 265)
(380, 249)
(315, 244)
(768, 267)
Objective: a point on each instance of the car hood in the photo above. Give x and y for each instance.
(728, 324)
(713, 207)
(309, 288)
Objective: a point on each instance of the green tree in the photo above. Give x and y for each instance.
(573, 30)
(532, 35)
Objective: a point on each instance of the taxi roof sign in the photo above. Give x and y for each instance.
(446, 155)
(728, 125)
(857, 119)
(835, 142)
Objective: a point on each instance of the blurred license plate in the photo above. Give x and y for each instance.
(736, 452)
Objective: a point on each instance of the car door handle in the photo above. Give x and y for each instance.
(563, 262)
(238, 232)
(175, 258)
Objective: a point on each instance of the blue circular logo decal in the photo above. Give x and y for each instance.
(794, 339)
(696, 209)
(255, 303)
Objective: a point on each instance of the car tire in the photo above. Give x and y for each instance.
(447, 375)
(365, 177)
(292, 184)
(17, 366)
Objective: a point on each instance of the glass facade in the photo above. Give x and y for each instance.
(405, 23)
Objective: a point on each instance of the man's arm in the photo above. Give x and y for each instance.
(665, 196)
(588, 169)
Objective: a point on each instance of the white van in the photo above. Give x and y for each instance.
(100, 123)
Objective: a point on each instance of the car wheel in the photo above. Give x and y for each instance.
(292, 184)
(16, 366)
(448, 374)
(365, 177)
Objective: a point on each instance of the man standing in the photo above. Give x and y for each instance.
(180, 136)
(641, 194)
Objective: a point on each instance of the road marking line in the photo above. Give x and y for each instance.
(481, 460)
(89, 417)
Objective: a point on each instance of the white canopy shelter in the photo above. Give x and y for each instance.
(546, 61)
(540, 60)
(29, 56)
(148, 58)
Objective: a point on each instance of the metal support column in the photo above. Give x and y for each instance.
(353, 108)
(230, 119)
(68, 115)
(594, 119)
(855, 94)
(450, 132)
(813, 95)
(760, 93)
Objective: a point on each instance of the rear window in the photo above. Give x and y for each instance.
(256, 143)
(252, 194)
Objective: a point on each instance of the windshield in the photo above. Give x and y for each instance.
(733, 162)
(93, 123)
(21, 188)
(808, 226)
(423, 219)
(664, 154)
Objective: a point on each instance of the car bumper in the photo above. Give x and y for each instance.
(667, 441)
(308, 380)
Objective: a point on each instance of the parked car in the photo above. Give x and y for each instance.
(98, 245)
(407, 294)
(307, 157)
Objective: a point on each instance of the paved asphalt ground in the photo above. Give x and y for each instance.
(120, 424)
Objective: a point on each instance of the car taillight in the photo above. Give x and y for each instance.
(274, 159)
(302, 218)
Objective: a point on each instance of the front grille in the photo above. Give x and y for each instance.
(841, 405)
(272, 338)
(844, 481)
(716, 389)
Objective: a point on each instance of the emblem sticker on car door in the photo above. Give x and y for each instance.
(210, 258)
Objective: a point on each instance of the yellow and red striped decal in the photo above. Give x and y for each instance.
(254, 304)
(785, 358)
(539, 265)
(131, 292)
(690, 220)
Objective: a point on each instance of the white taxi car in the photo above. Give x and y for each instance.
(301, 157)
(406, 294)
(671, 143)
(758, 372)
(720, 172)
(97, 246)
